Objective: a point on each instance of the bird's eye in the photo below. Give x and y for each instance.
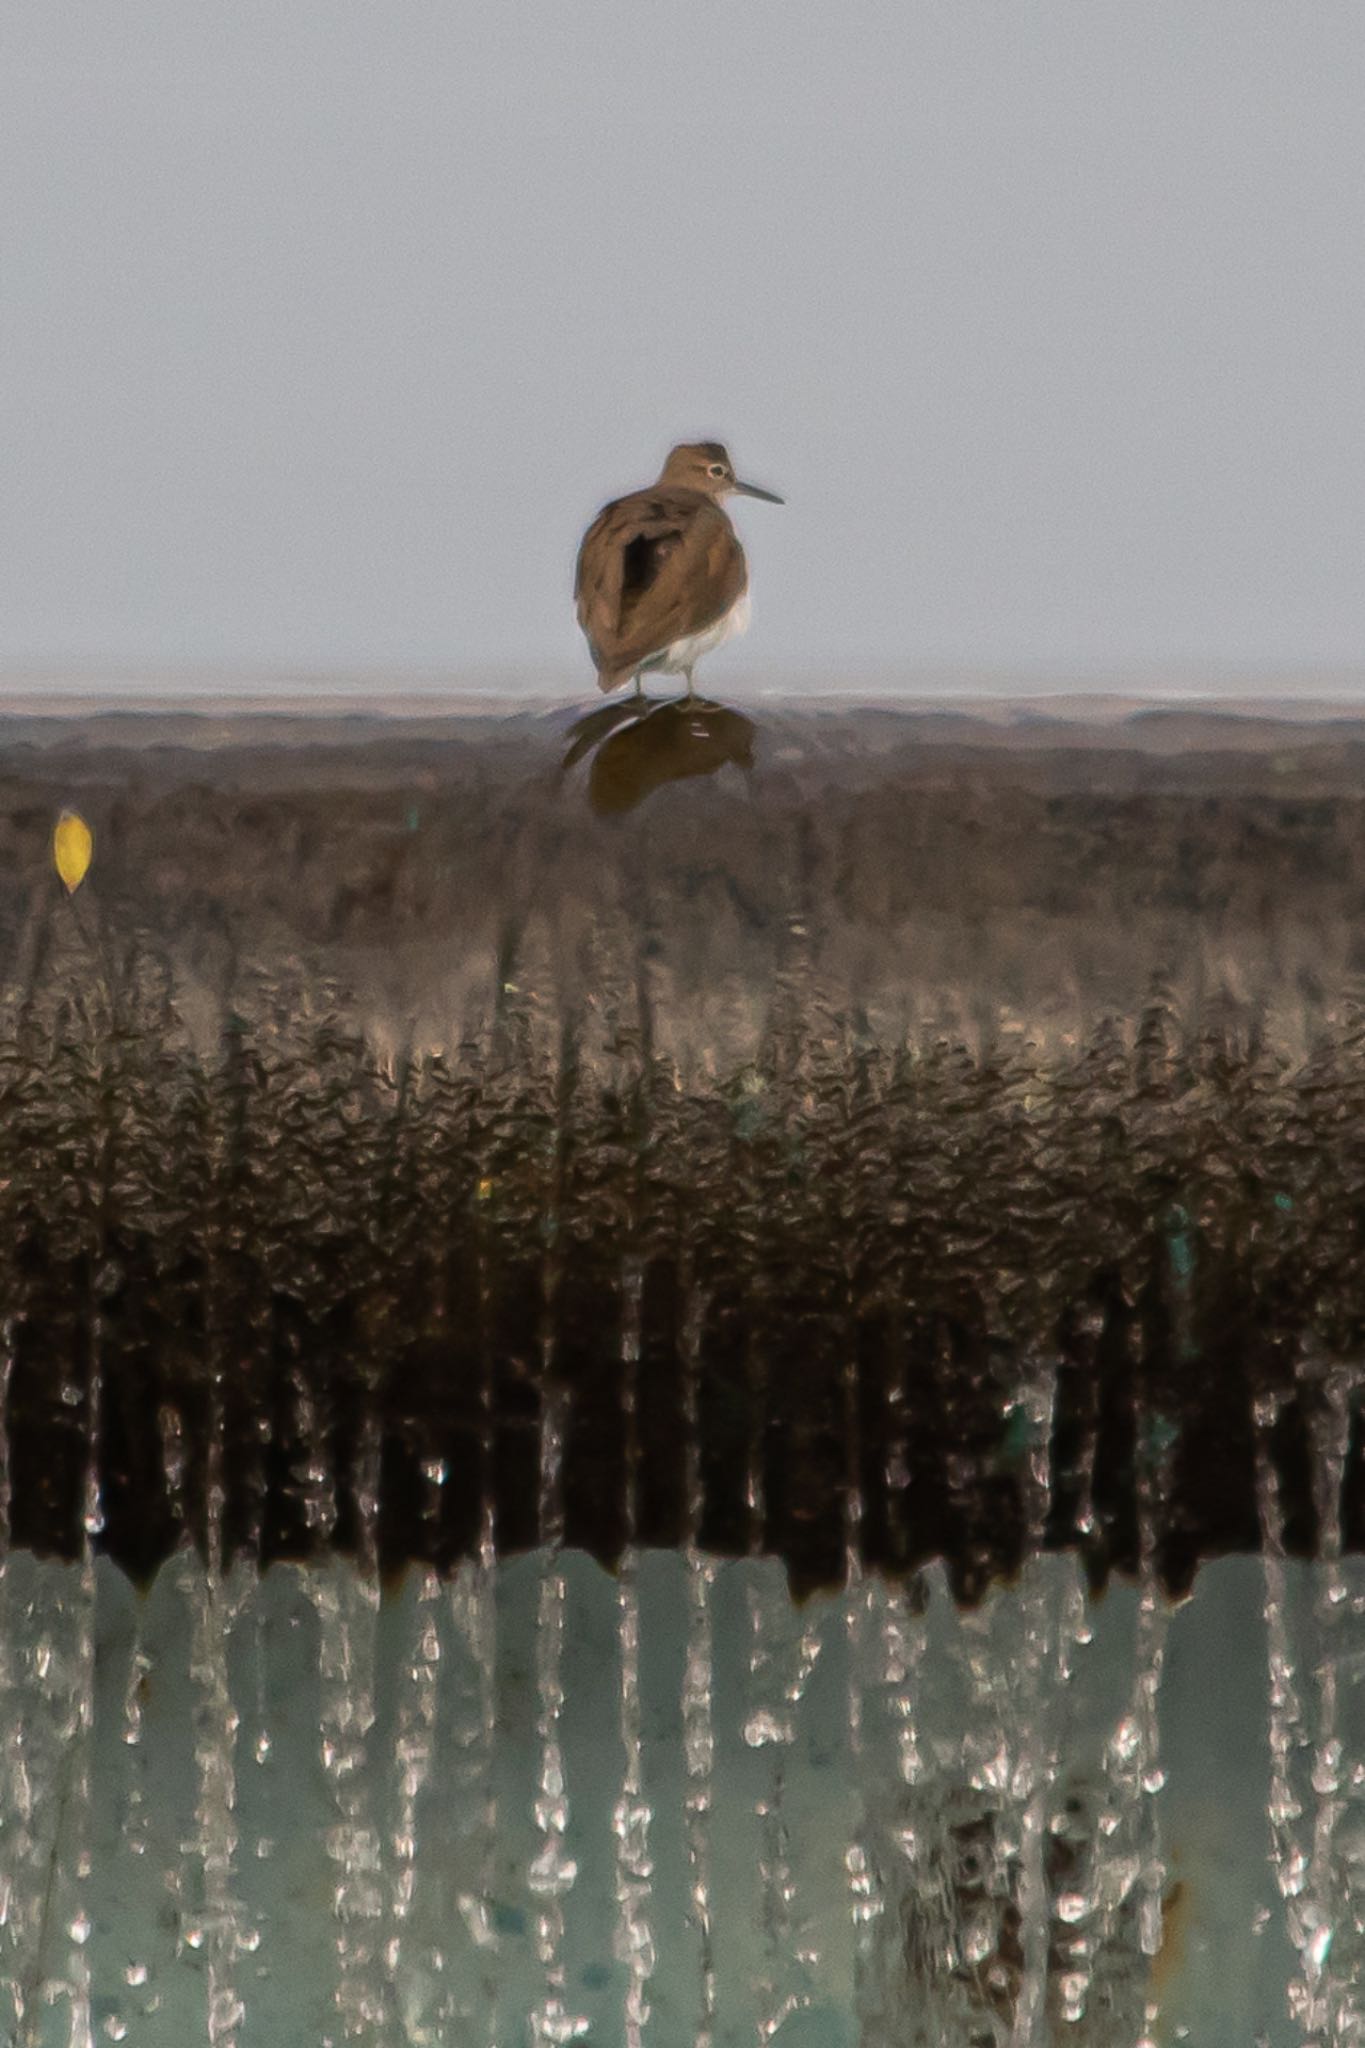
(716, 469)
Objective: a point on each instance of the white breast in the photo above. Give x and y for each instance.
(683, 654)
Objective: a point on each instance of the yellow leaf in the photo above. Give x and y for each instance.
(72, 846)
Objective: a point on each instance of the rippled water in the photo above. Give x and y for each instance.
(607, 1375)
(254, 1810)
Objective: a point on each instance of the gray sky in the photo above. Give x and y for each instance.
(326, 324)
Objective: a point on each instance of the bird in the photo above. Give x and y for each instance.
(661, 576)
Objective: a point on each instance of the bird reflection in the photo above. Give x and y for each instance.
(641, 745)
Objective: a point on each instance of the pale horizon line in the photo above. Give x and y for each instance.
(526, 683)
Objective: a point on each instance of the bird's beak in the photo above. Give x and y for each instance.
(752, 491)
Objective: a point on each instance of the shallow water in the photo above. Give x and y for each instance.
(478, 1225)
(257, 1811)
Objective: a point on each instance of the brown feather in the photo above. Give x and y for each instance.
(654, 567)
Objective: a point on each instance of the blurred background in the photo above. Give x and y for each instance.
(327, 327)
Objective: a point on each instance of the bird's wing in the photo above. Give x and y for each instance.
(653, 568)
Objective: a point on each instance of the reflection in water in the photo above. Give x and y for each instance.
(641, 745)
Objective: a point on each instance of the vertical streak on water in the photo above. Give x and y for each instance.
(1324, 1998)
(768, 1725)
(475, 1618)
(1341, 2015)
(889, 1843)
(1286, 1732)
(173, 1461)
(260, 1662)
(864, 1882)
(1077, 1904)
(219, 1931)
(92, 1522)
(136, 1831)
(254, 1600)
(1134, 1752)
(779, 1671)
(133, 1828)
(1089, 1329)
(553, 1871)
(866, 1898)
(765, 1725)
(903, 1633)
(474, 1613)
(413, 1744)
(1035, 1756)
(474, 1709)
(11, 1750)
(474, 1605)
(699, 1741)
(631, 1820)
(42, 1892)
(317, 1484)
(347, 1603)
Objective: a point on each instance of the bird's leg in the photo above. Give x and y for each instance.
(639, 684)
(688, 675)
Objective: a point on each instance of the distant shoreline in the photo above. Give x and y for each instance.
(1171, 725)
(1310, 694)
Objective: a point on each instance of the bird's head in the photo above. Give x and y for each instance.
(705, 466)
